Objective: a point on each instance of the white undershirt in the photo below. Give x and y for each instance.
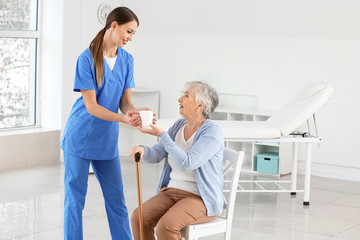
(110, 62)
(184, 180)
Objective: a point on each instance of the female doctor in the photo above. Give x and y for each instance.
(104, 76)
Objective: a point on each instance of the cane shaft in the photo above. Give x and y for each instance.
(141, 220)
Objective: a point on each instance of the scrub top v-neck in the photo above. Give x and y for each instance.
(88, 136)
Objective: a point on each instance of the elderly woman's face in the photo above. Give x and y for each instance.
(188, 104)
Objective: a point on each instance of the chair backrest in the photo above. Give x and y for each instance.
(309, 100)
(232, 166)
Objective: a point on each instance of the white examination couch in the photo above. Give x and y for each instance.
(281, 127)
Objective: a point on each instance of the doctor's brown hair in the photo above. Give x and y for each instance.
(121, 15)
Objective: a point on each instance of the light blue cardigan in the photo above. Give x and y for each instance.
(205, 158)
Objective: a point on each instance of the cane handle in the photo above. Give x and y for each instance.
(137, 157)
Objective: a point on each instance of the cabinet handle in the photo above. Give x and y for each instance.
(268, 159)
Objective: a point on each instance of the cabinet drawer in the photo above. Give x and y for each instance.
(268, 162)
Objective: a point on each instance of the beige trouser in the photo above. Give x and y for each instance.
(170, 210)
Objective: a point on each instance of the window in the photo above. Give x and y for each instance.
(18, 60)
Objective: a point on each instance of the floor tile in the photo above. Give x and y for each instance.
(305, 222)
(16, 227)
(338, 238)
(350, 201)
(352, 233)
(98, 228)
(54, 234)
(276, 233)
(335, 211)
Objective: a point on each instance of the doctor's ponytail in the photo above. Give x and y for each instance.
(121, 15)
(96, 49)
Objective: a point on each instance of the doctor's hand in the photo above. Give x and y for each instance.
(135, 149)
(154, 130)
(132, 118)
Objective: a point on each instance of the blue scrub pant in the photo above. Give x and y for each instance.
(108, 173)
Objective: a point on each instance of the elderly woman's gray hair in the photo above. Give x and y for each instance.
(205, 94)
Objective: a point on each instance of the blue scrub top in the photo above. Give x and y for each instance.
(87, 136)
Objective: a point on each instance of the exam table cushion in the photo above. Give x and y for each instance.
(308, 101)
(249, 129)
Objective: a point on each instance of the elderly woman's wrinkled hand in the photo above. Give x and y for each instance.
(135, 149)
(154, 130)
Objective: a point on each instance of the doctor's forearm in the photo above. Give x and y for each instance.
(126, 106)
(105, 114)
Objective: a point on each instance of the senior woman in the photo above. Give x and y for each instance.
(190, 189)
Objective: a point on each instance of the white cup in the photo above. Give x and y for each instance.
(147, 117)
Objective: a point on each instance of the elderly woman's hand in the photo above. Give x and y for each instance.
(135, 149)
(154, 130)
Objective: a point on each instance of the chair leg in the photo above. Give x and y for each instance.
(227, 236)
(189, 235)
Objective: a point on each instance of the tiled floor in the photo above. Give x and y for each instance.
(31, 207)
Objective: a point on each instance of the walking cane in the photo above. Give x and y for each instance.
(141, 221)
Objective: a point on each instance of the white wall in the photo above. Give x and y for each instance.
(50, 74)
(266, 48)
(28, 148)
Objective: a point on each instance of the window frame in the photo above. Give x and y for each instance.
(34, 87)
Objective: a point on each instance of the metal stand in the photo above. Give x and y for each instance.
(307, 174)
(309, 140)
(294, 169)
